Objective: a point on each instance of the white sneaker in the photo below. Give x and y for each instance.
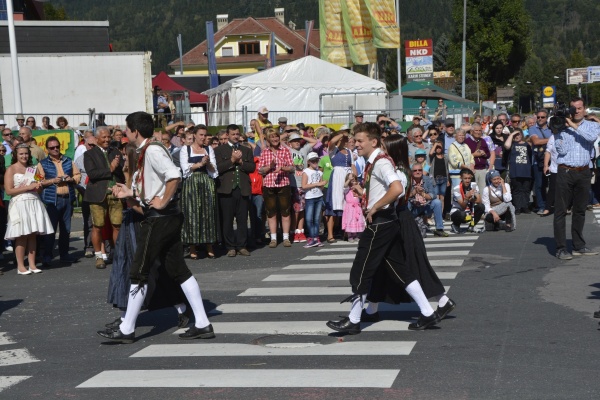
(9, 248)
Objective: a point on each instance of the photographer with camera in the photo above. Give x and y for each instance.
(466, 203)
(574, 140)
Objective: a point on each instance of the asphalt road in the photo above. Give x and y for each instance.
(523, 329)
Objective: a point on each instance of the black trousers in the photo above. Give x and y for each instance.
(160, 239)
(378, 248)
(520, 188)
(458, 216)
(87, 224)
(234, 205)
(551, 192)
(571, 187)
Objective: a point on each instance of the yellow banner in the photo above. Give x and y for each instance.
(357, 26)
(386, 32)
(334, 46)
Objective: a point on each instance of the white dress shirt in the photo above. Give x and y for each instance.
(382, 176)
(158, 170)
(186, 167)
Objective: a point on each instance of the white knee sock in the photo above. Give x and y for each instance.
(192, 293)
(442, 299)
(137, 294)
(357, 307)
(416, 292)
(181, 307)
(372, 308)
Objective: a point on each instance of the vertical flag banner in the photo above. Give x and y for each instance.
(309, 25)
(357, 26)
(334, 47)
(386, 31)
(212, 61)
(272, 52)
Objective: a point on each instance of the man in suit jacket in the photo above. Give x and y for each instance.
(104, 169)
(234, 163)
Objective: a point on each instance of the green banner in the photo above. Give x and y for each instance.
(386, 32)
(357, 27)
(334, 46)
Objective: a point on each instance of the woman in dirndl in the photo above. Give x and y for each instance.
(199, 196)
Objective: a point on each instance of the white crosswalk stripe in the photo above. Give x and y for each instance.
(324, 272)
(10, 357)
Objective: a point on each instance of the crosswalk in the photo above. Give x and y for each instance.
(267, 324)
(596, 212)
(11, 356)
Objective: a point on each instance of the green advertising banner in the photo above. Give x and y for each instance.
(334, 46)
(386, 32)
(357, 26)
(67, 138)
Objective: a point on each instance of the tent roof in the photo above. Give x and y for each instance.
(166, 83)
(307, 72)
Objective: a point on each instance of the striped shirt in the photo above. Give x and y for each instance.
(575, 146)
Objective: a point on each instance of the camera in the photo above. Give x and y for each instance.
(558, 121)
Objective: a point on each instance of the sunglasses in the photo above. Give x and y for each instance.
(7, 134)
(417, 170)
(53, 148)
(417, 135)
(541, 117)
(291, 130)
(30, 120)
(515, 121)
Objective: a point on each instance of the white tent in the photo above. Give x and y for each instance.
(310, 88)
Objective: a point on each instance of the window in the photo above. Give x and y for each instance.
(227, 52)
(249, 48)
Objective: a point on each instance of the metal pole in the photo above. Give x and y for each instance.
(399, 62)
(14, 58)
(477, 82)
(244, 118)
(464, 48)
(180, 45)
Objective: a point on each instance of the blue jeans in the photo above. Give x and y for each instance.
(312, 216)
(540, 184)
(435, 207)
(60, 215)
(440, 188)
(257, 226)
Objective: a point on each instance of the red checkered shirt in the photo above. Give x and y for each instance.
(283, 159)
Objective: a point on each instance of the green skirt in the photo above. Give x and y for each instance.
(200, 208)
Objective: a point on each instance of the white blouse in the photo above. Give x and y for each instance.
(186, 166)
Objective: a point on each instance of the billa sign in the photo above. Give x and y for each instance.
(419, 59)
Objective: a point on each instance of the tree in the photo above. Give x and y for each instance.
(440, 53)
(52, 13)
(497, 38)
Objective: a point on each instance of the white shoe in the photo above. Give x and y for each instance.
(35, 271)
(9, 248)
(28, 272)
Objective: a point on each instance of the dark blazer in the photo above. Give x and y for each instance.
(226, 169)
(98, 172)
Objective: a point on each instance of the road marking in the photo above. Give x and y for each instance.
(352, 256)
(297, 327)
(8, 381)
(5, 339)
(455, 238)
(237, 308)
(434, 263)
(389, 348)
(301, 291)
(16, 356)
(241, 378)
(332, 277)
(427, 246)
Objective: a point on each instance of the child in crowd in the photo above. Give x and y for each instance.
(312, 184)
(353, 221)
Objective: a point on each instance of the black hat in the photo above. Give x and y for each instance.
(449, 122)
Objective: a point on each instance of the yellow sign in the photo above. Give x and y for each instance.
(386, 33)
(357, 26)
(548, 91)
(334, 46)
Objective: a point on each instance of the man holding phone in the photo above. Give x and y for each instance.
(104, 169)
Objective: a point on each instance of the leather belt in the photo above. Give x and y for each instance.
(64, 196)
(568, 167)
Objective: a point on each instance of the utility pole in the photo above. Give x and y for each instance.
(464, 48)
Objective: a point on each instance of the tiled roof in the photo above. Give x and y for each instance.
(255, 26)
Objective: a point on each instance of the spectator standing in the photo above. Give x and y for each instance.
(540, 134)
(62, 123)
(6, 137)
(574, 145)
(500, 154)
(312, 183)
(198, 195)
(59, 177)
(36, 151)
(519, 161)
(484, 159)
(234, 164)
(276, 165)
(353, 221)
(27, 216)
(89, 141)
(46, 124)
(550, 170)
(449, 131)
(257, 205)
(103, 167)
(417, 144)
(459, 157)
(20, 122)
(441, 111)
(439, 169)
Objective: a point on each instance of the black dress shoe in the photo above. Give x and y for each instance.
(345, 325)
(424, 322)
(443, 311)
(597, 314)
(195, 333)
(366, 317)
(184, 319)
(115, 324)
(117, 336)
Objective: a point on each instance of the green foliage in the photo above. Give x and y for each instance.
(52, 13)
